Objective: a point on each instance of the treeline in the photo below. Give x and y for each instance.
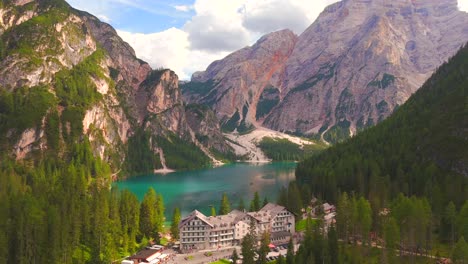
(279, 149)
(407, 223)
(419, 151)
(62, 211)
(181, 154)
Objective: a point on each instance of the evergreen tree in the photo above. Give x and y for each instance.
(213, 211)
(333, 245)
(460, 252)
(225, 207)
(264, 248)
(234, 256)
(364, 213)
(255, 203)
(294, 199)
(280, 260)
(175, 223)
(148, 214)
(449, 220)
(290, 253)
(265, 201)
(241, 206)
(343, 216)
(160, 210)
(391, 236)
(462, 221)
(283, 197)
(248, 249)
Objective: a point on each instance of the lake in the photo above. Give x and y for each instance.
(200, 189)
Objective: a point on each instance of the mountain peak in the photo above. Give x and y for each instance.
(407, 6)
(349, 70)
(280, 34)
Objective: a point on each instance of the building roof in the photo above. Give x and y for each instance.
(144, 254)
(269, 211)
(221, 221)
(269, 207)
(193, 215)
(265, 214)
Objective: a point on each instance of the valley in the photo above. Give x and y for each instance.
(343, 140)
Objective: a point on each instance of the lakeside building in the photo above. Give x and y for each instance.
(198, 232)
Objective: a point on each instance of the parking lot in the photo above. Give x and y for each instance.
(209, 256)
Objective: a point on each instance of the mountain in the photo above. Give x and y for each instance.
(234, 86)
(419, 150)
(350, 69)
(66, 77)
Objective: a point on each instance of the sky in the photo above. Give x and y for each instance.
(187, 35)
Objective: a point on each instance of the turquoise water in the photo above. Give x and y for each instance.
(201, 189)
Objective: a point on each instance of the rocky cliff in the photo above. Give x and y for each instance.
(66, 77)
(350, 69)
(234, 86)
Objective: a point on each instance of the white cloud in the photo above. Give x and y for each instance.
(183, 8)
(267, 16)
(463, 5)
(104, 18)
(217, 26)
(168, 49)
(220, 27)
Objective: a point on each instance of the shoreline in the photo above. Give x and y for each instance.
(164, 171)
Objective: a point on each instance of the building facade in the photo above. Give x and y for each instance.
(198, 232)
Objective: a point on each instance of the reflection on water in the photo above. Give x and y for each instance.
(203, 188)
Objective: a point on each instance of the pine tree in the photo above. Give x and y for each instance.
(290, 253)
(265, 201)
(280, 259)
(450, 218)
(294, 199)
(255, 203)
(234, 256)
(248, 249)
(460, 252)
(264, 248)
(225, 207)
(283, 197)
(213, 211)
(241, 206)
(391, 236)
(175, 223)
(462, 221)
(364, 213)
(333, 245)
(148, 213)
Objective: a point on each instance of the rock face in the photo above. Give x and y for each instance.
(358, 61)
(234, 85)
(97, 88)
(205, 125)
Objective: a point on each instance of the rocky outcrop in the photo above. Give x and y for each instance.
(103, 94)
(358, 61)
(205, 125)
(236, 83)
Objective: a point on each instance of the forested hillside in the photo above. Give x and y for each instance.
(421, 152)
(62, 211)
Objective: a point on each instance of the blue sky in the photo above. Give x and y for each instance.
(143, 16)
(187, 35)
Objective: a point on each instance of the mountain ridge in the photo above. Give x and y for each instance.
(92, 88)
(419, 150)
(356, 63)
